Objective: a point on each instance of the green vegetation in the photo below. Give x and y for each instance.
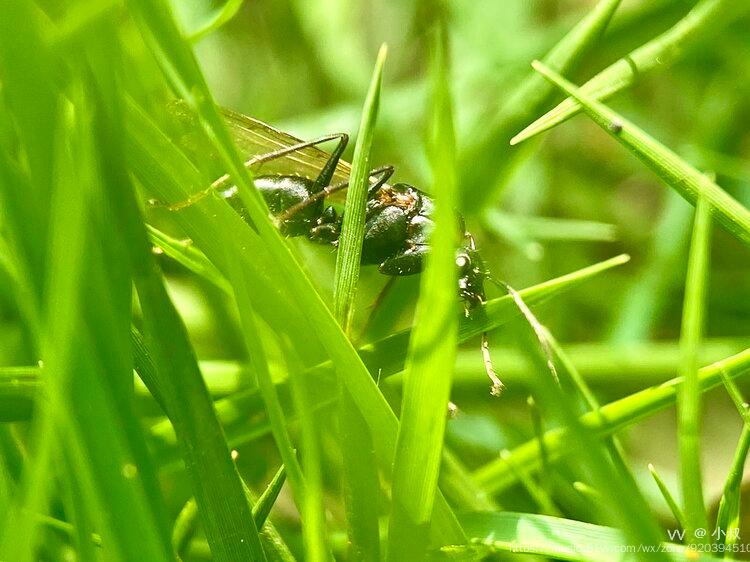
(181, 381)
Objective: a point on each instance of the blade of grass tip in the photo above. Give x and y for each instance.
(180, 66)
(525, 101)
(667, 495)
(274, 546)
(184, 253)
(728, 516)
(589, 493)
(707, 16)
(264, 504)
(675, 172)
(222, 16)
(348, 257)
(184, 528)
(610, 418)
(360, 474)
(688, 404)
(432, 348)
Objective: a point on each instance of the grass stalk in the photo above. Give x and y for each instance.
(349, 255)
(688, 405)
(432, 347)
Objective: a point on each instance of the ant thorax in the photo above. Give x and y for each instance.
(388, 196)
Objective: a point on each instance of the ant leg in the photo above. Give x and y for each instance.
(381, 174)
(222, 182)
(326, 174)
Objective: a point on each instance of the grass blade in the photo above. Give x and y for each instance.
(675, 172)
(432, 348)
(705, 17)
(728, 517)
(186, 255)
(667, 495)
(349, 254)
(265, 502)
(313, 512)
(688, 404)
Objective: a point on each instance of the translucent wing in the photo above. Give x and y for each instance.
(254, 138)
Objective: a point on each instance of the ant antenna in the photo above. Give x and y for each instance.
(539, 329)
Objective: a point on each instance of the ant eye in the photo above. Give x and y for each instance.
(462, 260)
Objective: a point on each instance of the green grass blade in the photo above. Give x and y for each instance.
(609, 419)
(525, 101)
(432, 348)
(348, 257)
(184, 528)
(190, 257)
(707, 16)
(313, 511)
(218, 491)
(265, 502)
(675, 172)
(571, 372)
(257, 355)
(667, 495)
(217, 487)
(688, 405)
(361, 482)
(728, 517)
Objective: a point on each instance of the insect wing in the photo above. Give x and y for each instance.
(255, 138)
